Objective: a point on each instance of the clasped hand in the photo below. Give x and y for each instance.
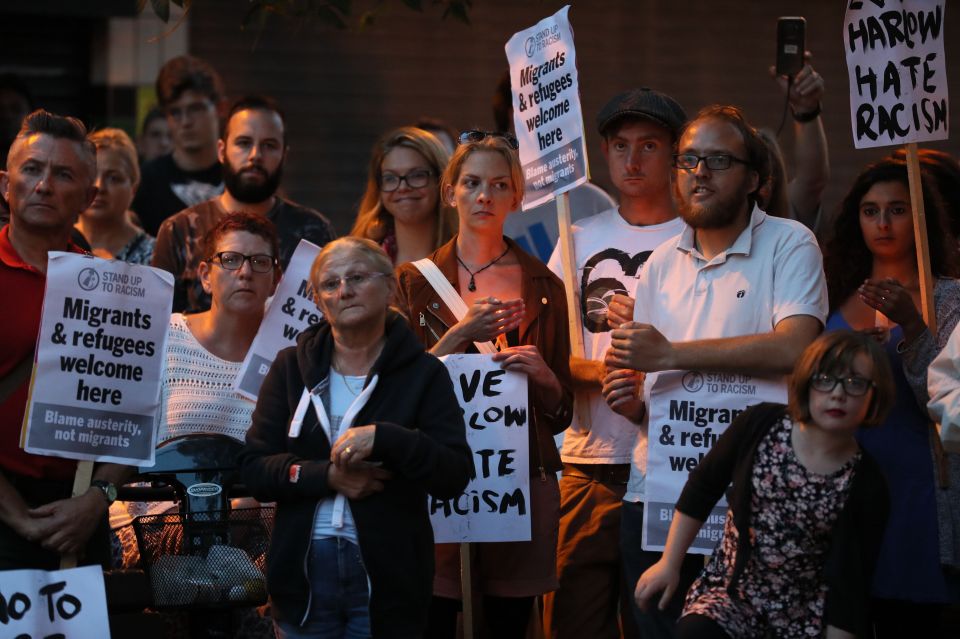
(350, 473)
(489, 317)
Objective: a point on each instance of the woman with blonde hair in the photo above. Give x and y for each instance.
(401, 209)
(107, 224)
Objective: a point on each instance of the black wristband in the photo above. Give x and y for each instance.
(809, 116)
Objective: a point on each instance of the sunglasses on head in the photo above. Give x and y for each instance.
(475, 135)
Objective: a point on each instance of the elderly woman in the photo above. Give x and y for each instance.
(514, 299)
(106, 224)
(353, 428)
(205, 351)
(401, 207)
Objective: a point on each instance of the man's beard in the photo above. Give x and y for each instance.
(251, 192)
(717, 214)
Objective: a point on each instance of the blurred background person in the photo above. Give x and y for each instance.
(514, 298)
(873, 283)
(354, 427)
(443, 132)
(401, 209)
(154, 139)
(106, 224)
(944, 170)
(15, 103)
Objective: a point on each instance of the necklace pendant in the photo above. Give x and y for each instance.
(472, 286)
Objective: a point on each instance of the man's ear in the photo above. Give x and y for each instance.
(221, 151)
(4, 186)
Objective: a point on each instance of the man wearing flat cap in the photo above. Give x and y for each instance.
(639, 128)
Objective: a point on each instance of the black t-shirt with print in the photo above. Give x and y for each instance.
(166, 189)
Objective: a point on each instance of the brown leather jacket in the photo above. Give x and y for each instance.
(544, 326)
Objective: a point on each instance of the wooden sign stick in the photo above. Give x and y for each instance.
(920, 238)
(574, 322)
(466, 588)
(81, 484)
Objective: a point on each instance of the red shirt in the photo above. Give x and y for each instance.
(21, 289)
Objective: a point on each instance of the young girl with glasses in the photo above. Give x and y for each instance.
(807, 507)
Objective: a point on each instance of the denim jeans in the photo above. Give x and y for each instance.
(339, 594)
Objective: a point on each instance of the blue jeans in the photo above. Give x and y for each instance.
(339, 594)
(654, 623)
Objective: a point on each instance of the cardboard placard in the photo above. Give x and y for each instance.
(546, 108)
(689, 410)
(71, 604)
(291, 311)
(897, 71)
(95, 390)
(496, 504)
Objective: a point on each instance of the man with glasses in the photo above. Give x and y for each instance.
(638, 130)
(190, 93)
(252, 152)
(737, 291)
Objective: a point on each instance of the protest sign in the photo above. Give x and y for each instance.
(96, 382)
(71, 604)
(689, 410)
(496, 504)
(897, 71)
(291, 311)
(546, 108)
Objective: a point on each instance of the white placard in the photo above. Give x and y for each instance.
(689, 410)
(62, 603)
(496, 504)
(95, 390)
(291, 311)
(546, 109)
(897, 71)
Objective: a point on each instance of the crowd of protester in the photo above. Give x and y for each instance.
(713, 253)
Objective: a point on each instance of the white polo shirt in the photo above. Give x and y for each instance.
(774, 270)
(608, 253)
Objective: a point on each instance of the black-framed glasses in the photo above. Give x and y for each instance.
(416, 179)
(718, 162)
(233, 261)
(476, 135)
(853, 386)
(353, 280)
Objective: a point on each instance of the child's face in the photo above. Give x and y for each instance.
(838, 409)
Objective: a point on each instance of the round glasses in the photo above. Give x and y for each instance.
(718, 162)
(353, 280)
(232, 261)
(417, 179)
(853, 386)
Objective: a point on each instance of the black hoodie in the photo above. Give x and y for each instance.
(420, 438)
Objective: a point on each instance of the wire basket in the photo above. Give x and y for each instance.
(208, 559)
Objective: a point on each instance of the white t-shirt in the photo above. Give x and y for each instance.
(343, 390)
(773, 270)
(536, 230)
(609, 252)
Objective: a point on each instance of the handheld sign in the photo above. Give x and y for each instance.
(689, 410)
(100, 351)
(897, 70)
(291, 311)
(496, 504)
(546, 108)
(64, 603)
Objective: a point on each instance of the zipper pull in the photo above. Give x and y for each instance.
(543, 474)
(423, 320)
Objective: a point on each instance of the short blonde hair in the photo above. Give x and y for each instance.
(117, 140)
(492, 143)
(373, 220)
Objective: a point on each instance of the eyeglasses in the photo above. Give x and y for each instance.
(719, 162)
(418, 179)
(852, 386)
(191, 110)
(475, 135)
(232, 261)
(353, 280)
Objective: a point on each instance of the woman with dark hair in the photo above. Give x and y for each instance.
(873, 285)
(512, 298)
(401, 209)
